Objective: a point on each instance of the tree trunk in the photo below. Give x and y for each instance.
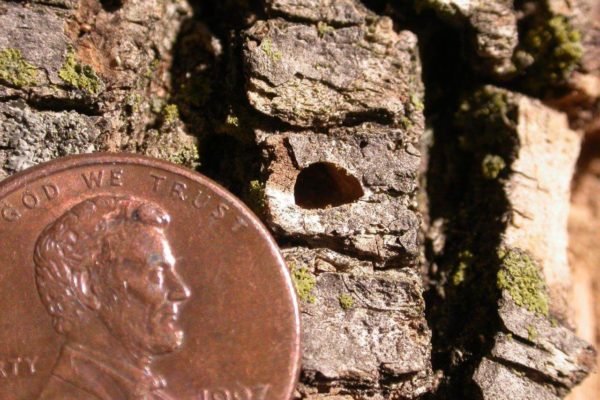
(413, 159)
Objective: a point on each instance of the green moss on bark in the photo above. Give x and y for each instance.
(462, 269)
(267, 47)
(487, 120)
(133, 101)
(532, 333)
(492, 165)
(555, 48)
(170, 114)
(304, 282)
(346, 301)
(171, 146)
(323, 28)
(521, 278)
(80, 76)
(255, 197)
(186, 155)
(14, 70)
(487, 102)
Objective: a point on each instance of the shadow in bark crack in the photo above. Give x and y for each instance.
(208, 90)
(465, 213)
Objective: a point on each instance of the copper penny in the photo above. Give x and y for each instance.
(124, 277)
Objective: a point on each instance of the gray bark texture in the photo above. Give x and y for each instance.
(413, 158)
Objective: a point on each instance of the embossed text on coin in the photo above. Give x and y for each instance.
(123, 277)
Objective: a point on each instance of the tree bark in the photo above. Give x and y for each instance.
(413, 159)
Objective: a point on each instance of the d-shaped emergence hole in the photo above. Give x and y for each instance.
(324, 184)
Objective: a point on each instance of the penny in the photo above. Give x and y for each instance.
(124, 277)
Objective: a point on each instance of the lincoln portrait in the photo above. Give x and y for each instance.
(106, 274)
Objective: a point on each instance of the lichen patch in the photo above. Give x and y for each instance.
(15, 70)
(80, 76)
(521, 277)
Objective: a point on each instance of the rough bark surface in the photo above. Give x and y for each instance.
(412, 158)
(77, 77)
(352, 100)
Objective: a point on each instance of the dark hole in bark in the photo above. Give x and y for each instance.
(324, 184)
(112, 5)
